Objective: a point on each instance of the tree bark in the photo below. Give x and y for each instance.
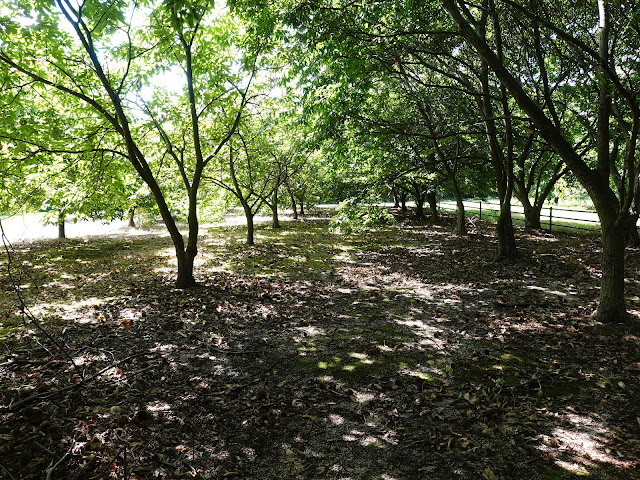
(433, 205)
(132, 213)
(611, 307)
(61, 231)
(632, 239)
(275, 221)
(294, 206)
(301, 207)
(250, 227)
(531, 214)
(419, 205)
(461, 217)
(506, 236)
(403, 201)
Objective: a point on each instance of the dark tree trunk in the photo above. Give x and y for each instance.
(504, 230)
(185, 277)
(532, 215)
(275, 221)
(301, 207)
(433, 205)
(250, 228)
(611, 307)
(403, 201)
(294, 207)
(461, 217)
(132, 213)
(396, 198)
(420, 205)
(61, 232)
(632, 239)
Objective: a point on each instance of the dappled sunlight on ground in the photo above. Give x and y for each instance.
(393, 355)
(581, 444)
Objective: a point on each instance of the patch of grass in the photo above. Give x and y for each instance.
(6, 332)
(559, 224)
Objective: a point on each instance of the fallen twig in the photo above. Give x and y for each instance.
(41, 396)
(50, 470)
(26, 313)
(7, 472)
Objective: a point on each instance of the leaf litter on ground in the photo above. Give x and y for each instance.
(403, 352)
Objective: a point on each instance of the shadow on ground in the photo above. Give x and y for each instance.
(404, 353)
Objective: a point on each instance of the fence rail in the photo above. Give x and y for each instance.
(550, 216)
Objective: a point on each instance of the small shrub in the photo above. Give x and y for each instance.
(353, 216)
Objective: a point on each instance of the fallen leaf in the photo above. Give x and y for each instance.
(488, 474)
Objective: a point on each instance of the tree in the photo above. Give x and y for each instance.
(250, 172)
(407, 43)
(70, 174)
(108, 60)
(599, 62)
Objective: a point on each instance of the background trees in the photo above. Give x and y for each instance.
(403, 97)
(99, 58)
(603, 70)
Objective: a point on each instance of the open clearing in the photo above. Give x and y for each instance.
(402, 353)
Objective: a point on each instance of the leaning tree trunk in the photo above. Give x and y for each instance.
(61, 231)
(433, 205)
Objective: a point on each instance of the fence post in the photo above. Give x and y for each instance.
(480, 209)
(550, 217)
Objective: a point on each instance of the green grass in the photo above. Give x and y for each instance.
(518, 218)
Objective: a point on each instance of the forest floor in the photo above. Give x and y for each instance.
(400, 353)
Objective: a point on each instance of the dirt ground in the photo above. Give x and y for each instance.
(399, 353)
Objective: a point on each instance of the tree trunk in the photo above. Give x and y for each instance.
(632, 239)
(185, 277)
(250, 228)
(396, 197)
(532, 215)
(611, 306)
(504, 230)
(294, 207)
(461, 217)
(433, 205)
(61, 231)
(420, 205)
(132, 213)
(403, 201)
(301, 207)
(275, 221)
